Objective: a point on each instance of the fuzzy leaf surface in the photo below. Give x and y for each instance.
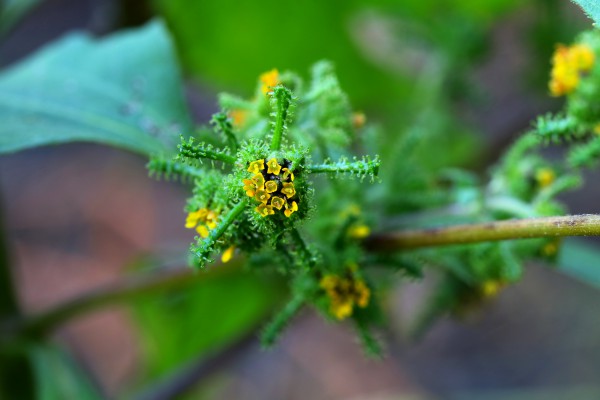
(123, 91)
(591, 8)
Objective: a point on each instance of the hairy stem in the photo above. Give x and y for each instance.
(570, 225)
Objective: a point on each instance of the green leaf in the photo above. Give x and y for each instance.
(58, 377)
(580, 261)
(591, 9)
(181, 325)
(124, 91)
(11, 11)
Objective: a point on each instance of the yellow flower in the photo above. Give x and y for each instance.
(228, 254)
(288, 174)
(358, 120)
(264, 210)
(256, 166)
(359, 231)
(491, 288)
(269, 80)
(344, 293)
(262, 196)
(290, 208)
(273, 167)
(551, 248)
(545, 177)
(568, 64)
(277, 202)
(259, 180)
(271, 186)
(288, 189)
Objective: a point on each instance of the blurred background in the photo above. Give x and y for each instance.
(80, 217)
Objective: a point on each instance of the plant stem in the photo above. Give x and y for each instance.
(570, 225)
(282, 98)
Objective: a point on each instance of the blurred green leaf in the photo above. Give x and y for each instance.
(59, 378)
(123, 91)
(591, 8)
(182, 325)
(11, 11)
(580, 261)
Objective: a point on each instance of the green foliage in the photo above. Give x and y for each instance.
(11, 11)
(591, 8)
(183, 325)
(79, 89)
(58, 377)
(580, 260)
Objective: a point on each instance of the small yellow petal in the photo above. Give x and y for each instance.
(545, 177)
(202, 231)
(269, 80)
(288, 174)
(491, 288)
(359, 231)
(228, 254)
(290, 208)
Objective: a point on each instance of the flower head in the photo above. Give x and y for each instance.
(275, 192)
(344, 293)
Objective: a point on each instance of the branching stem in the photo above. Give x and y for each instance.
(570, 225)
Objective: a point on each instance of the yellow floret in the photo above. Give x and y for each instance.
(269, 80)
(228, 254)
(256, 166)
(290, 208)
(359, 231)
(273, 167)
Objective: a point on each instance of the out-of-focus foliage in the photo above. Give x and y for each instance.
(11, 11)
(181, 326)
(58, 377)
(123, 91)
(384, 42)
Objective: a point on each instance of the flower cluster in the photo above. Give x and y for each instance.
(203, 220)
(344, 293)
(272, 186)
(568, 64)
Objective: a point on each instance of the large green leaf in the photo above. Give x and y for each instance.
(180, 326)
(58, 377)
(591, 8)
(124, 91)
(580, 261)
